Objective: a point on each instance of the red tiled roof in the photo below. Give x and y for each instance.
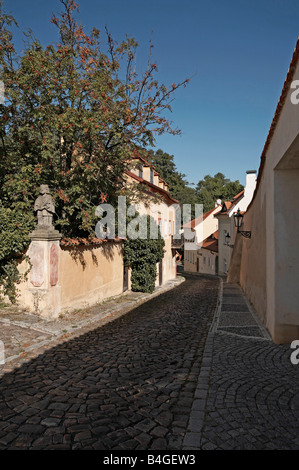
(211, 242)
(229, 205)
(239, 195)
(193, 223)
(211, 245)
(153, 188)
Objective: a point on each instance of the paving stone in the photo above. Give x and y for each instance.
(145, 425)
(242, 331)
(31, 428)
(234, 307)
(159, 431)
(144, 439)
(237, 319)
(192, 439)
(59, 406)
(82, 436)
(158, 444)
(7, 438)
(50, 422)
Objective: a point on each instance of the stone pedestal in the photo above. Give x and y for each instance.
(44, 288)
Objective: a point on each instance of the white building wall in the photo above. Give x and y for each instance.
(269, 267)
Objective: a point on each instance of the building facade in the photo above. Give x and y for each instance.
(226, 229)
(201, 259)
(158, 203)
(215, 233)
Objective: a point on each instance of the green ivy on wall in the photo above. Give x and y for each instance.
(142, 255)
(15, 225)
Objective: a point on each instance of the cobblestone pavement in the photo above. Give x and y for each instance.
(247, 396)
(25, 334)
(128, 384)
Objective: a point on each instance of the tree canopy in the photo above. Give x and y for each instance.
(207, 191)
(74, 112)
(179, 187)
(212, 188)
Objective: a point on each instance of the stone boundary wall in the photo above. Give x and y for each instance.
(66, 276)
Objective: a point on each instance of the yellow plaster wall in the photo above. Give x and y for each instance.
(90, 275)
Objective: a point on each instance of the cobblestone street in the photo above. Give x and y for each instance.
(127, 385)
(190, 369)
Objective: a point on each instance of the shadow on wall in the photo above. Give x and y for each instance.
(78, 253)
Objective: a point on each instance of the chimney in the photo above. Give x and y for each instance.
(250, 184)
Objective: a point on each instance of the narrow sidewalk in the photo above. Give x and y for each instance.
(247, 396)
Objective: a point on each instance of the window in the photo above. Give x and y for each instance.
(140, 171)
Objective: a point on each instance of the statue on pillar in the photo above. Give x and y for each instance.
(44, 206)
(45, 209)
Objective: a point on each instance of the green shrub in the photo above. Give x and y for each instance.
(142, 255)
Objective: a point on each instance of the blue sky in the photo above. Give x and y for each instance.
(237, 53)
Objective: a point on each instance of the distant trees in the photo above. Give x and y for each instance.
(211, 188)
(207, 191)
(179, 187)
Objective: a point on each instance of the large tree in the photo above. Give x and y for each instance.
(212, 188)
(74, 112)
